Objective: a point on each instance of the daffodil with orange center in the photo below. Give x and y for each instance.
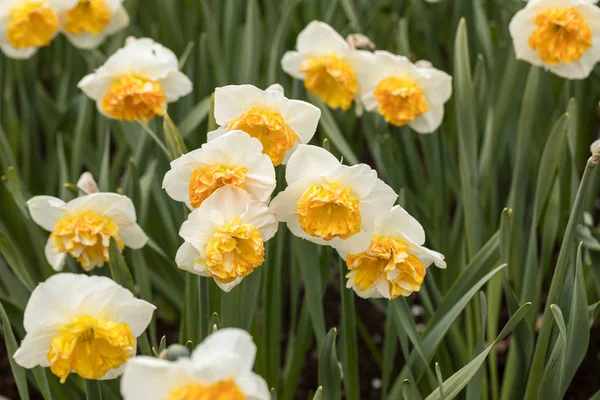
(395, 262)
(83, 228)
(82, 324)
(220, 368)
(278, 123)
(90, 22)
(225, 236)
(233, 159)
(137, 82)
(330, 203)
(560, 35)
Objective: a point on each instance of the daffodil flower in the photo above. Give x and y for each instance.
(326, 63)
(330, 203)
(219, 368)
(137, 82)
(225, 237)
(395, 262)
(562, 36)
(89, 22)
(234, 159)
(83, 227)
(279, 123)
(82, 324)
(402, 92)
(27, 25)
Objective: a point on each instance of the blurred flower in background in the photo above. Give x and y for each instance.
(82, 324)
(137, 82)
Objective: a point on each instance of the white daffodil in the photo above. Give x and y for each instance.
(404, 93)
(137, 82)
(395, 262)
(219, 368)
(595, 146)
(27, 25)
(234, 159)
(563, 36)
(225, 236)
(278, 123)
(89, 22)
(326, 63)
(330, 203)
(83, 227)
(82, 324)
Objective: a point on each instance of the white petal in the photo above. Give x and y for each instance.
(361, 178)
(201, 225)
(133, 236)
(61, 6)
(293, 225)
(118, 207)
(318, 37)
(426, 255)
(398, 221)
(34, 348)
(229, 201)
(380, 199)
(228, 340)
(263, 219)
(176, 85)
(186, 258)
(253, 386)
(217, 133)
(303, 118)
(521, 27)
(436, 84)
(226, 287)
(595, 146)
(96, 85)
(118, 21)
(55, 258)
(19, 54)
(309, 161)
(85, 40)
(46, 211)
(359, 242)
(284, 204)
(177, 180)
(291, 64)
(430, 120)
(233, 100)
(149, 378)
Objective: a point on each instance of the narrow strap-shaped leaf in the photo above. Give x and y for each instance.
(348, 335)
(552, 380)
(118, 267)
(329, 370)
(11, 347)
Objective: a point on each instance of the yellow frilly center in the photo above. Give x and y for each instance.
(88, 16)
(386, 258)
(220, 390)
(562, 35)
(400, 100)
(206, 180)
(332, 79)
(234, 251)
(269, 128)
(31, 24)
(132, 98)
(86, 237)
(91, 347)
(329, 211)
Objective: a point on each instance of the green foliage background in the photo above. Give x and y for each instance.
(500, 190)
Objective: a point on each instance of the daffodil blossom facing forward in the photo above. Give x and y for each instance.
(225, 236)
(280, 124)
(330, 203)
(219, 368)
(560, 35)
(26, 25)
(137, 82)
(89, 22)
(82, 324)
(404, 93)
(395, 262)
(82, 228)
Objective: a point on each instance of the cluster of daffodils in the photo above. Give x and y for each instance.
(402, 92)
(27, 25)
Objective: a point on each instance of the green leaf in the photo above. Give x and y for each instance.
(552, 380)
(118, 267)
(11, 347)
(92, 390)
(349, 342)
(408, 390)
(175, 142)
(41, 379)
(318, 394)
(440, 380)
(329, 370)
(15, 261)
(250, 58)
(194, 117)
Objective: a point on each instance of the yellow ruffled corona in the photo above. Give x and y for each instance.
(400, 100)
(332, 79)
(220, 390)
(132, 98)
(206, 180)
(89, 16)
(31, 24)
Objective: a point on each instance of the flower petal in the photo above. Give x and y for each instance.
(309, 161)
(46, 211)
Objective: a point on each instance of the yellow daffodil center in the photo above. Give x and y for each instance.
(268, 127)
(562, 35)
(329, 211)
(386, 258)
(86, 237)
(91, 347)
(332, 79)
(220, 390)
(206, 180)
(89, 16)
(234, 251)
(400, 100)
(31, 24)
(132, 98)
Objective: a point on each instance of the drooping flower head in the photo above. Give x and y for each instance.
(225, 237)
(89, 22)
(83, 227)
(27, 25)
(330, 203)
(395, 262)
(326, 64)
(278, 123)
(82, 324)
(563, 36)
(234, 159)
(402, 92)
(137, 82)
(220, 368)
